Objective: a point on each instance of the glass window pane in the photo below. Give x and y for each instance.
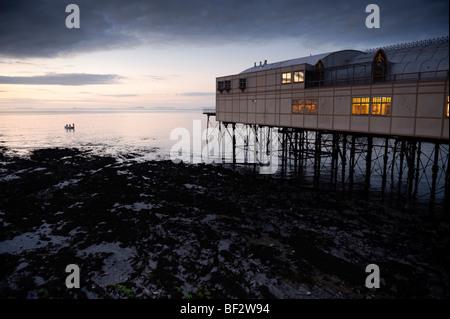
(286, 78)
(298, 76)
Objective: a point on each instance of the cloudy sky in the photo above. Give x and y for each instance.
(166, 54)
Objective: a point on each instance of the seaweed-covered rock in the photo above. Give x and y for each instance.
(163, 230)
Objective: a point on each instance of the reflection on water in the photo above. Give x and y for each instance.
(144, 134)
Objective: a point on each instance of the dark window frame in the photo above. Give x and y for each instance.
(220, 86)
(242, 84)
(379, 67)
(227, 84)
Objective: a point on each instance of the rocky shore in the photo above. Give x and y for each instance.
(162, 230)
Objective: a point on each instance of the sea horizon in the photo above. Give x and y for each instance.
(32, 110)
(224, 157)
(152, 134)
(144, 134)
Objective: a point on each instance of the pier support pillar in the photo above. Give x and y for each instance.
(385, 161)
(234, 143)
(352, 160)
(368, 164)
(400, 174)
(317, 158)
(343, 161)
(435, 170)
(411, 156)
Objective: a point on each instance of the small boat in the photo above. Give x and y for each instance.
(69, 127)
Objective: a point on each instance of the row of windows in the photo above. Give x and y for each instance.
(223, 85)
(226, 85)
(299, 77)
(286, 78)
(306, 106)
(381, 105)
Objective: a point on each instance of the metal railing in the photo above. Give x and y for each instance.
(209, 110)
(401, 77)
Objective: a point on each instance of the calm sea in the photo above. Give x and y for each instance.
(141, 134)
(146, 135)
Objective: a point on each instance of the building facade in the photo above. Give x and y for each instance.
(401, 90)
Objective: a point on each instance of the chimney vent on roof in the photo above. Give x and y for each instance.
(265, 62)
(254, 65)
(260, 63)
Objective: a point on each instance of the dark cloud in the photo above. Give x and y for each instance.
(37, 28)
(74, 79)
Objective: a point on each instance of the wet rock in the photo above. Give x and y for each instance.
(165, 230)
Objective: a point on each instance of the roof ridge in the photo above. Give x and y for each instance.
(409, 44)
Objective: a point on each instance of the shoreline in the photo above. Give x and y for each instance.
(161, 230)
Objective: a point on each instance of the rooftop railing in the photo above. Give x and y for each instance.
(209, 110)
(401, 77)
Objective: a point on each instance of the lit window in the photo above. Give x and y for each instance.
(381, 105)
(311, 106)
(360, 105)
(299, 76)
(295, 106)
(286, 78)
(447, 105)
(308, 106)
(301, 106)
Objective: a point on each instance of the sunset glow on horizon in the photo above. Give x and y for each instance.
(129, 55)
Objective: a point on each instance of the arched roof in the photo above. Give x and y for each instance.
(330, 59)
(308, 60)
(414, 57)
(421, 56)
